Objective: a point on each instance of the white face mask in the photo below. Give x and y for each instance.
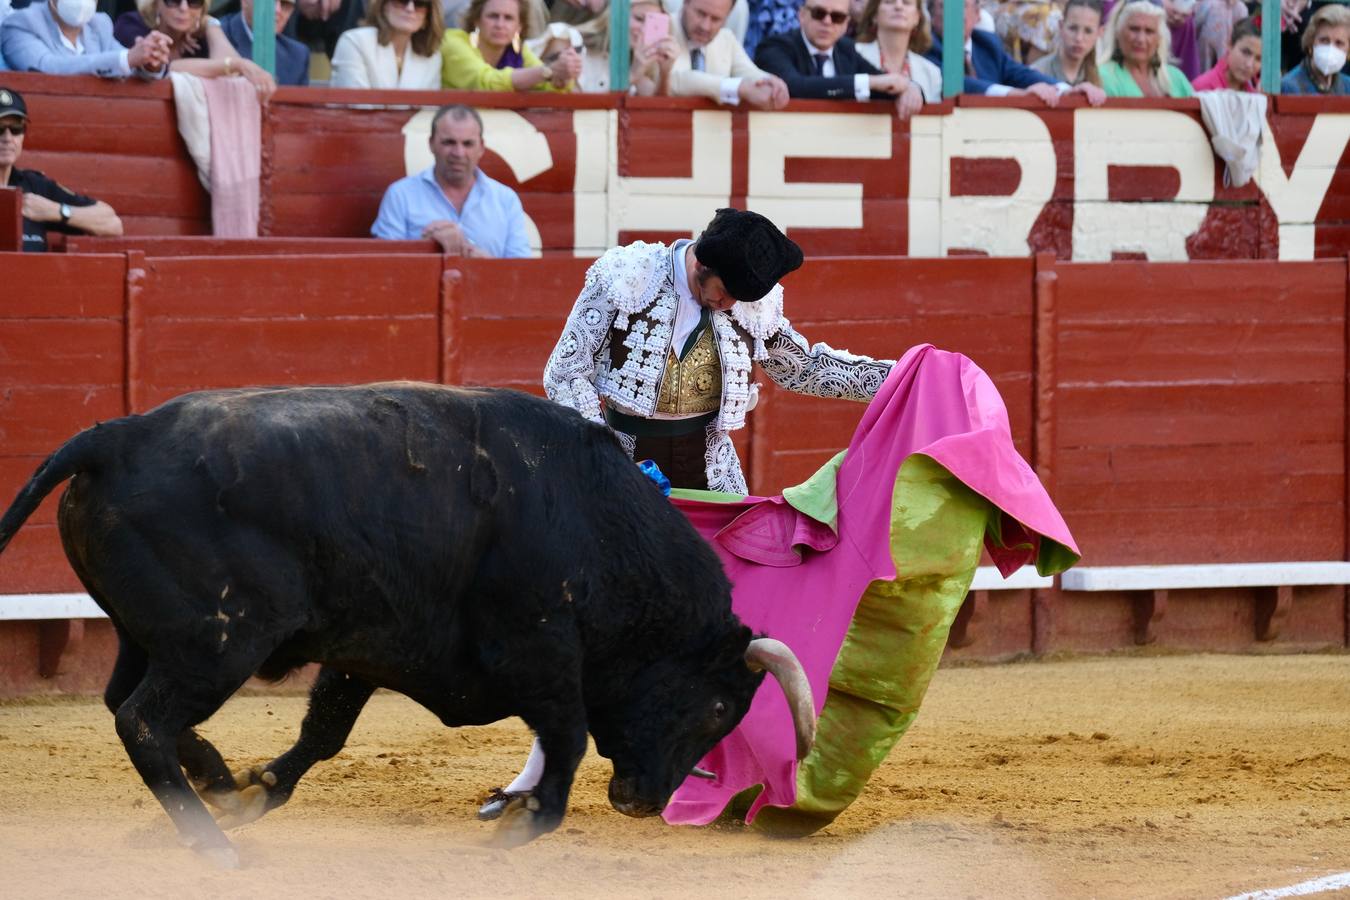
(1328, 58)
(76, 13)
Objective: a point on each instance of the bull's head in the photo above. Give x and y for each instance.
(680, 708)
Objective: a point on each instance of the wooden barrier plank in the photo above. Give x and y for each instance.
(522, 289)
(509, 316)
(232, 288)
(162, 226)
(11, 220)
(61, 367)
(34, 560)
(1175, 415)
(1216, 534)
(136, 185)
(236, 321)
(59, 286)
(73, 351)
(206, 245)
(1204, 475)
(1205, 404)
(1288, 350)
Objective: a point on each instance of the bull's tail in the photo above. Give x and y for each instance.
(79, 454)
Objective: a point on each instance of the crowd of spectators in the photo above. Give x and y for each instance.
(757, 52)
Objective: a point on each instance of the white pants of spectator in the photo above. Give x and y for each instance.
(533, 771)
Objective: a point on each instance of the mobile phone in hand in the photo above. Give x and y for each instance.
(655, 28)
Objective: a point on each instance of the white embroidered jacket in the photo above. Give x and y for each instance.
(630, 289)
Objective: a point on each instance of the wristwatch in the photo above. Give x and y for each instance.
(65, 213)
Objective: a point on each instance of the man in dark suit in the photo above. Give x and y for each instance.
(818, 62)
(989, 68)
(292, 56)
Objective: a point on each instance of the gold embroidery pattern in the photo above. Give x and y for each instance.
(693, 384)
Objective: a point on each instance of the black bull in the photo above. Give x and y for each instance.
(487, 553)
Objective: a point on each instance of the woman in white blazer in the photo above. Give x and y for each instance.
(399, 48)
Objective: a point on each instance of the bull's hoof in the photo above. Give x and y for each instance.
(246, 801)
(249, 806)
(497, 802)
(517, 825)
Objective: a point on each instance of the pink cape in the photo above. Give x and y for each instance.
(796, 580)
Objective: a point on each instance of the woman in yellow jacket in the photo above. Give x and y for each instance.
(488, 54)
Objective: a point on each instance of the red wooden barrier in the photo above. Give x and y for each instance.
(62, 369)
(205, 245)
(11, 220)
(209, 322)
(506, 317)
(1180, 413)
(1200, 417)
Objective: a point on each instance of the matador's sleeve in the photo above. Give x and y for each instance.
(820, 370)
(573, 367)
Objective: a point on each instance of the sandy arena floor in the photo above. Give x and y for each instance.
(1186, 776)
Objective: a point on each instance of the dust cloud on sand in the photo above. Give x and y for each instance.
(1121, 777)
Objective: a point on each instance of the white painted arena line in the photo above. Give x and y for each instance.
(1316, 886)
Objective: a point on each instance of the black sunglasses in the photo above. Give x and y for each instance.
(415, 4)
(193, 4)
(820, 14)
(16, 130)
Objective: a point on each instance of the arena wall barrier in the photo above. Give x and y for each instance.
(1180, 414)
(1133, 179)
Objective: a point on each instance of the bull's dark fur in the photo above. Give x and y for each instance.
(484, 552)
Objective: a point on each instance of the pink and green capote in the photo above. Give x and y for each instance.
(861, 570)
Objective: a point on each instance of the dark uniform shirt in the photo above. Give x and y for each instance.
(33, 182)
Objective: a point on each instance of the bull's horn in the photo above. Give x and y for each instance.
(782, 664)
(701, 773)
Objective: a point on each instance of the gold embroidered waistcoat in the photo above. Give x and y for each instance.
(693, 384)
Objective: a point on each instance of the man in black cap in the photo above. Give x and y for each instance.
(666, 335)
(47, 206)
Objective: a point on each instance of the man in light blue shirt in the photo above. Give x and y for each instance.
(454, 203)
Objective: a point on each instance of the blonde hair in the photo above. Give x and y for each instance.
(1157, 67)
(426, 41)
(149, 10)
(532, 17)
(920, 40)
(1332, 15)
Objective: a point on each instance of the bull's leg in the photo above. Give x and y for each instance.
(150, 723)
(202, 761)
(563, 741)
(335, 702)
(126, 674)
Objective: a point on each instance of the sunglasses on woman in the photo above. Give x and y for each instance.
(191, 4)
(412, 4)
(820, 14)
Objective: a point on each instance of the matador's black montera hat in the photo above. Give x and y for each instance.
(748, 252)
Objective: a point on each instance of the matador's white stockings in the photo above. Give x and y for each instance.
(533, 771)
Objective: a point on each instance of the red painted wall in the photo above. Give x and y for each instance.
(1179, 413)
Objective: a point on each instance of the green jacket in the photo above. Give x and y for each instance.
(1119, 83)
